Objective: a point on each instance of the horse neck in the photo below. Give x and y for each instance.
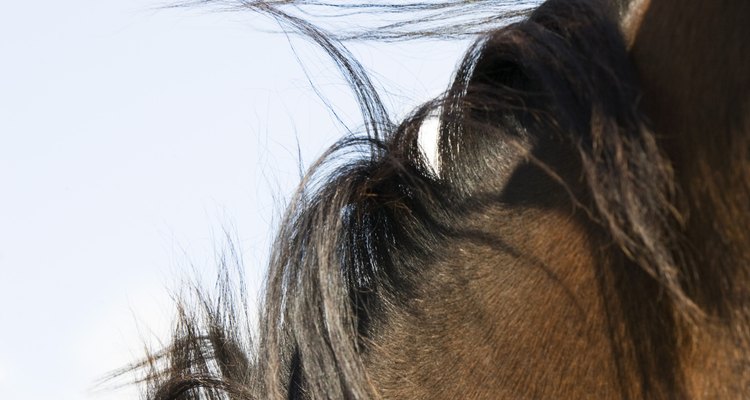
(693, 59)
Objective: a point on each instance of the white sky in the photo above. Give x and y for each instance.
(129, 138)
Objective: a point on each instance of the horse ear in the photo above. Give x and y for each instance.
(518, 84)
(481, 136)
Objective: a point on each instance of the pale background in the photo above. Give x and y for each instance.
(130, 139)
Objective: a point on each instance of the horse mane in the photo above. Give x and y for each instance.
(370, 215)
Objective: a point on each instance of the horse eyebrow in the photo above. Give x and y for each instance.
(428, 139)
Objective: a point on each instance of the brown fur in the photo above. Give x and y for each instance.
(698, 97)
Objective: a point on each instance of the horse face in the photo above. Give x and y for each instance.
(575, 226)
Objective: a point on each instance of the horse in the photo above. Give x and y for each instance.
(582, 230)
